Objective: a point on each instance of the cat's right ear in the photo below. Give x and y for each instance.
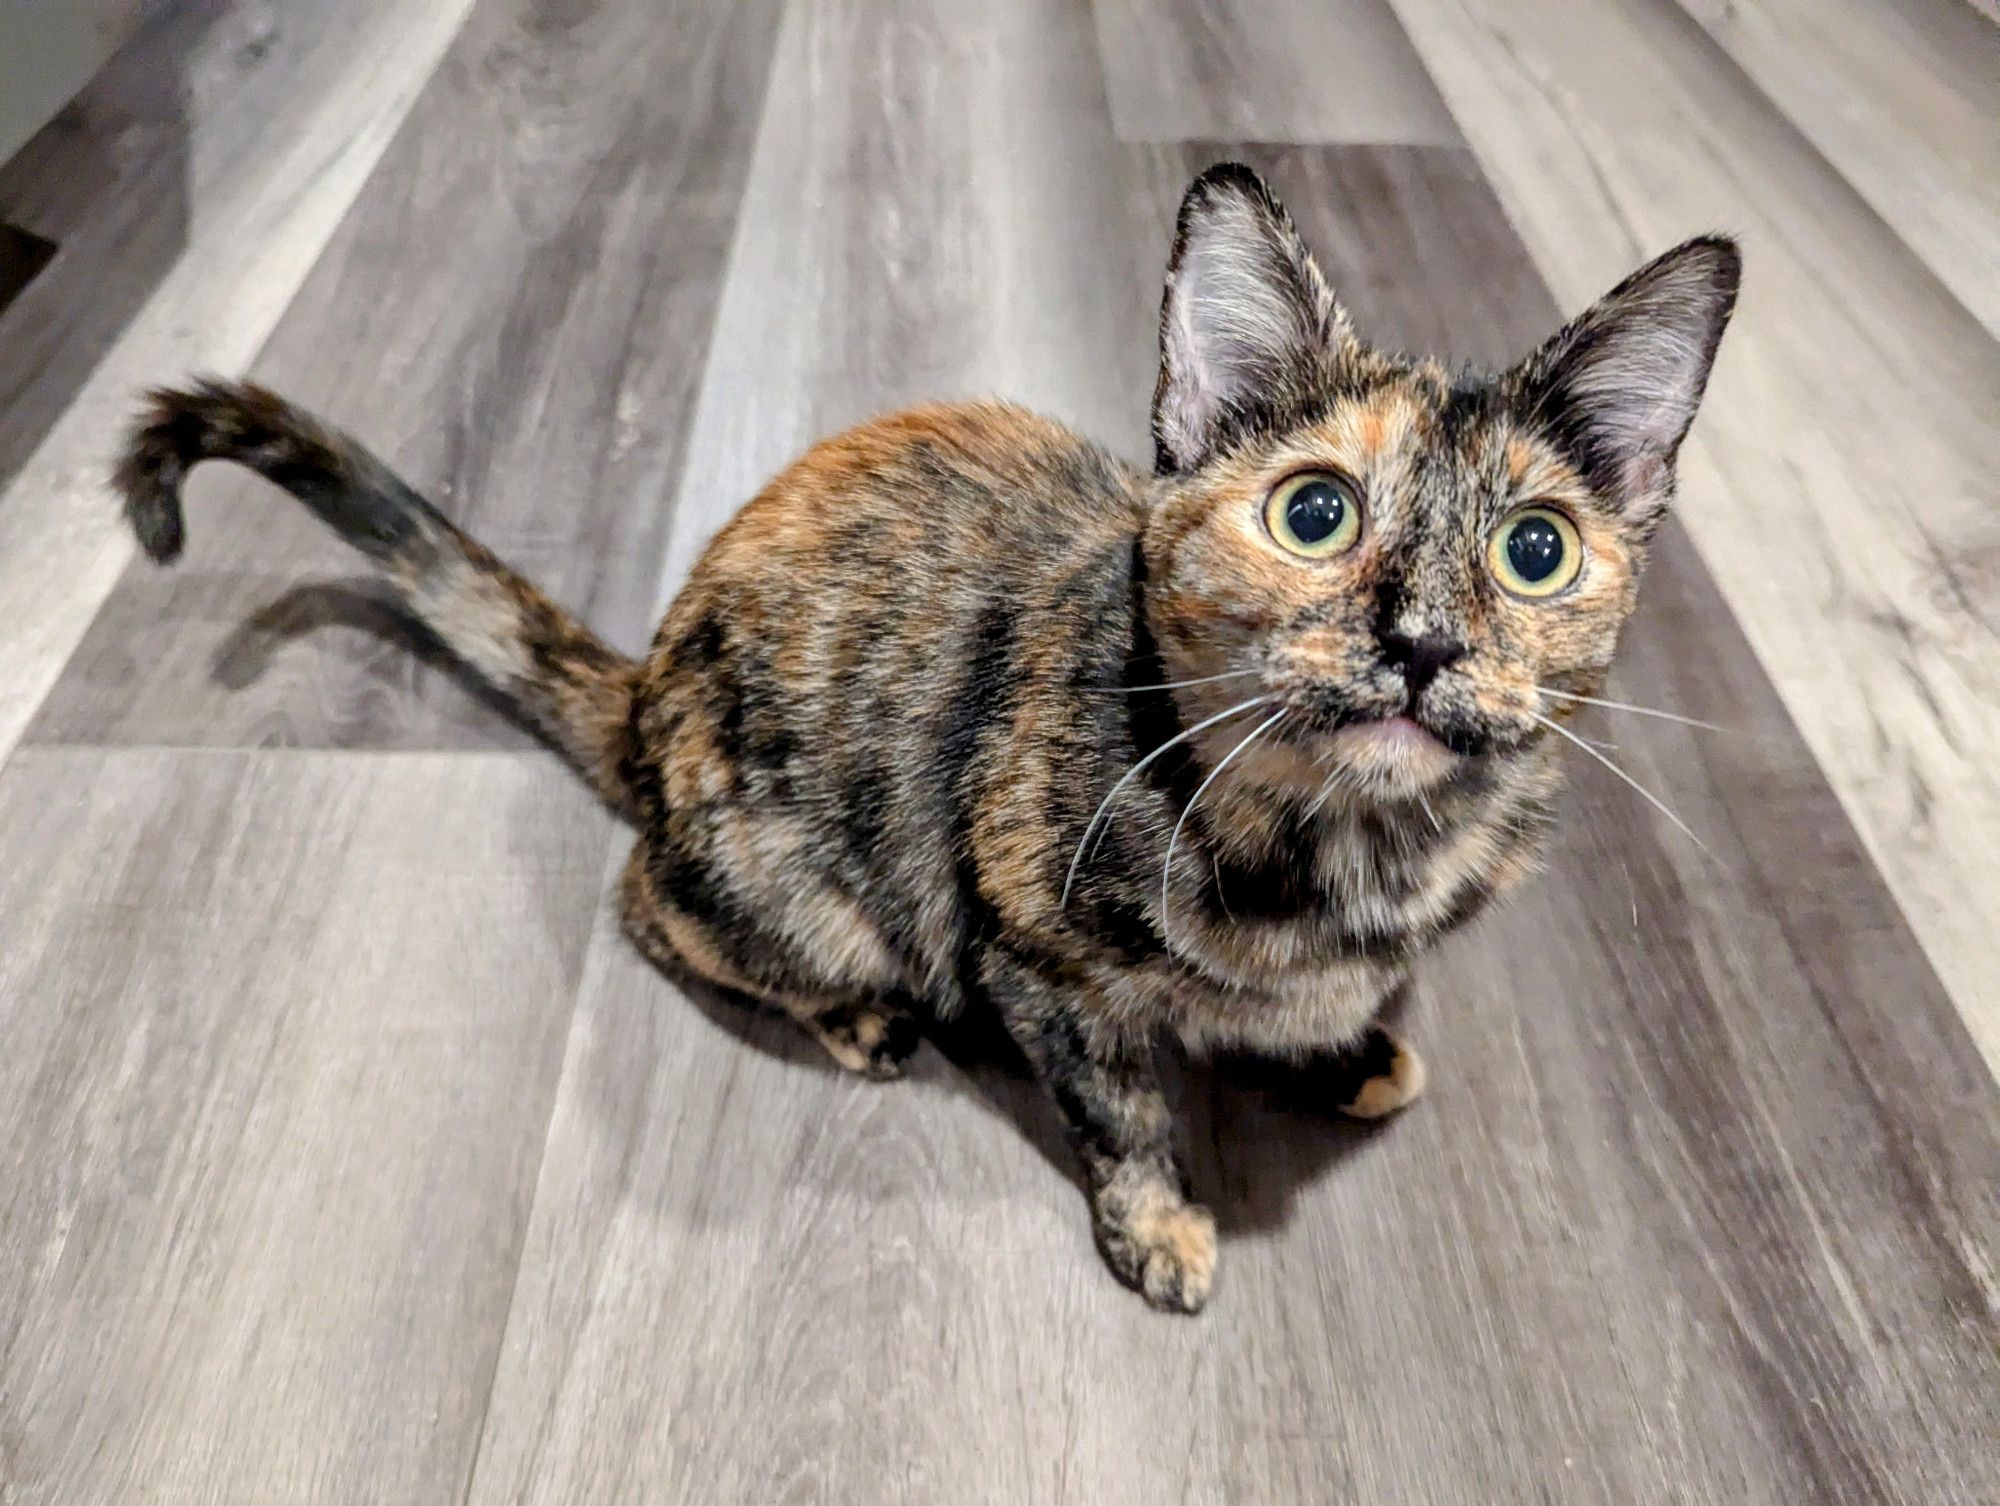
(1248, 326)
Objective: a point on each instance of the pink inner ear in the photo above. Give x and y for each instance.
(1244, 302)
(1646, 474)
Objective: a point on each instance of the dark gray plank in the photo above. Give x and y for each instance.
(1698, 1209)
(282, 1034)
(1295, 71)
(514, 314)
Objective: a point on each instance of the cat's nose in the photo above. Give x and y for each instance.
(1420, 658)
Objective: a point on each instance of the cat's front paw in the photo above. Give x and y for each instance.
(1382, 1076)
(1159, 1244)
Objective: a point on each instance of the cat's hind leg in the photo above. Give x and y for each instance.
(873, 1033)
(875, 1038)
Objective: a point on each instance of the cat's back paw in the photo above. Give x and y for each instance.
(1383, 1075)
(875, 1041)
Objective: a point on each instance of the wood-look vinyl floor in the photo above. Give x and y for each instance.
(347, 1152)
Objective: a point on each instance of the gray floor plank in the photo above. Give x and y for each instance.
(515, 315)
(1282, 71)
(935, 211)
(283, 1031)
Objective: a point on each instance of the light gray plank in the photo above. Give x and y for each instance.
(283, 1032)
(1903, 97)
(752, 1279)
(514, 314)
(1839, 486)
(277, 127)
(935, 211)
(1280, 71)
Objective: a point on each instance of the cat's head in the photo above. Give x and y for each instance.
(1400, 555)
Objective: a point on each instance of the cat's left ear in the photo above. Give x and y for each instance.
(1248, 326)
(1619, 385)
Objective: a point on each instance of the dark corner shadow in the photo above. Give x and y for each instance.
(106, 183)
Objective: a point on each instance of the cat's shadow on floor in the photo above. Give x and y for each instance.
(1255, 1133)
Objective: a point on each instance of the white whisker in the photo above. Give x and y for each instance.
(1424, 801)
(1665, 716)
(1328, 788)
(1104, 805)
(1652, 799)
(1167, 868)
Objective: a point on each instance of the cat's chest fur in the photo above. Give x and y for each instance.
(1284, 925)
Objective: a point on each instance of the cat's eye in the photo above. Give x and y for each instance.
(1314, 514)
(1535, 552)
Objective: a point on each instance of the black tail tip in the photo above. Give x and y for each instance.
(156, 519)
(163, 442)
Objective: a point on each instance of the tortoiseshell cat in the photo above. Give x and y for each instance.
(961, 709)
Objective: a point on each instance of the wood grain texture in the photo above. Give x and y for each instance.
(514, 314)
(282, 113)
(1839, 486)
(1282, 71)
(1903, 98)
(1698, 1209)
(282, 1036)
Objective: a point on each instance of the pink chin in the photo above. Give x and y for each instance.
(1392, 732)
(1397, 752)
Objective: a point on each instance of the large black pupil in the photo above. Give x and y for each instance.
(1314, 512)
(1534, 548)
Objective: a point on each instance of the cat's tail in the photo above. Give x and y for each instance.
(573, 687)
